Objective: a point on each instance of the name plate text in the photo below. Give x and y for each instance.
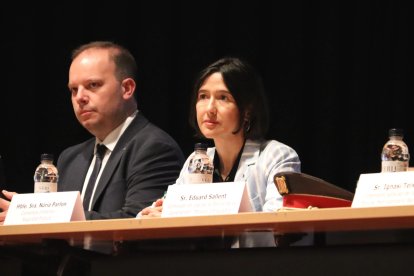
(206, 199)
(36, 208)
(384, 189)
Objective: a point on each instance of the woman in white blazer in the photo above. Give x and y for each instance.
(229, 107)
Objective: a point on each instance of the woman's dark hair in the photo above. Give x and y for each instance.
(246, 86)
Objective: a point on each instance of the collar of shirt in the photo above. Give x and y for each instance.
(113, 137)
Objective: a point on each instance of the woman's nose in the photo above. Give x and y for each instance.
(211, 107)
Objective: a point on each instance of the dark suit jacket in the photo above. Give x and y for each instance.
(143, 163)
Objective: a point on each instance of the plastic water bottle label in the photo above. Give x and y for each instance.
(394, 166)
(45, 187)
(200, 178)
(200, 170)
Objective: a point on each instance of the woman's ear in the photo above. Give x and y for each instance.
(247, 120)
(247, 115)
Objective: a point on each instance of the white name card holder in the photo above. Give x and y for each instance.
(35, 208)
(206, 199)
(384, 189)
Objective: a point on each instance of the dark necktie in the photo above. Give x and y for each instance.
(100, 153)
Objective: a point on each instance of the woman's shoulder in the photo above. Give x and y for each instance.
(268, 145)
(278, 156)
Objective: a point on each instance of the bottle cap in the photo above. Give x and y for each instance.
(396, 132)
(46, 156)
(200, 146)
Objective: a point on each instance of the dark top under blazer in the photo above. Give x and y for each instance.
(143, 163)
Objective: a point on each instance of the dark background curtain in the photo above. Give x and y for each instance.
(336, 73)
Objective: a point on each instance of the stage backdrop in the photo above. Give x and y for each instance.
(336, 75)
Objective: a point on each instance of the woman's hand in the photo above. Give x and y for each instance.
(155, 210)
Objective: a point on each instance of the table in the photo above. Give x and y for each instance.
(347, 232)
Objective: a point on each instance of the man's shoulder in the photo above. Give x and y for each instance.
(154, 135)
(151, 139)
(79, 147)
(143, 129)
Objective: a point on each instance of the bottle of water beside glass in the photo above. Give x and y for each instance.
(395, 155)
(200, 167)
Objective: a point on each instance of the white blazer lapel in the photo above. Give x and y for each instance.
(248, 159)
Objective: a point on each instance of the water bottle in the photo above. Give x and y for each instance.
(46, 175)
(395, 156)
(200, 167)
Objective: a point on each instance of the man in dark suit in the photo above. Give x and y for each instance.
(139, 160)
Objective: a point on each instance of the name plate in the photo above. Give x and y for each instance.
(37, 208)
(384, 189)
(206, 199)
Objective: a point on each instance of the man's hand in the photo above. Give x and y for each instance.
(4, 204)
